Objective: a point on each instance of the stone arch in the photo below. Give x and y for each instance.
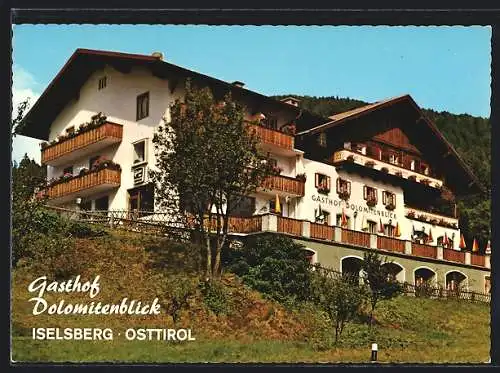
(397, 271)
(455, 280)
(312, 255)
(351, 264)
(424, 274)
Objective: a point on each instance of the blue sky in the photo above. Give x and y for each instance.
(442, 67)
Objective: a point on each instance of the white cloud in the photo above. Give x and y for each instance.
(24, 86)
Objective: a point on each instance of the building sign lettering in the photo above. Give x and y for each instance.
(352, 206)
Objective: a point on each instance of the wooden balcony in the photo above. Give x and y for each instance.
(345, 155)
(289, 225)
(273, 140)
(390, 244)
(454, 255)
(82, 144)
(426, 251)
(477, 260)
(81, 186)
(322, 231)
(355, 238)
(283, 185)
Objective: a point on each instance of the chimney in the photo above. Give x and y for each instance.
(158, 55)
(291, 101)
(238, 84)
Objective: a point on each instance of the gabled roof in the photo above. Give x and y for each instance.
(83, 62)
(351, 115)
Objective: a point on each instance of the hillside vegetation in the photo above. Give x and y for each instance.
(231, 322)
(469, 135)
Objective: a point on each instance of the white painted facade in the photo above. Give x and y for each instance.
(118, 102)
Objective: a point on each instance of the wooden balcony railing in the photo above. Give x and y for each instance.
(454, 255)
(273, 137)
(391, 244)
(424, 250)
(108, 131)
(289, 225)
(355, 238)
(322, 231)
(284, 184)
(477, 260)
(91, 180)
(245, 224)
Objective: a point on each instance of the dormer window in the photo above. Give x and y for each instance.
(412, 165)
(393, 158)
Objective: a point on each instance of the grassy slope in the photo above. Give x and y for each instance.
(408, 329)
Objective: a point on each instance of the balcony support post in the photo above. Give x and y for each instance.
(373, 241)
(270, 223)
(467, 257)
(408, 249)
(439, 252)
(306, 229)
(337, 237)
(487, 261)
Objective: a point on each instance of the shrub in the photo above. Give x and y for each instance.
(274, 265)
(216, 297)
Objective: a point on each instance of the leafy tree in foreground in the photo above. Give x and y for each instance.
(382, 286)
(274, 265)
(339, 298)
(207, 160)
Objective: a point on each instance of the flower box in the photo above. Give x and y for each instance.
(371, 202)
(370, 164)
(350, 158)
(412, 178)
(411, 214)
(433, 221)
(385, 170)
(301, 177)
(425, 181)
(323, 190)
(399, 173)
(344, 195)
(390, 206)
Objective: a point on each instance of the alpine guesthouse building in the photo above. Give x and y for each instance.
(379, 177)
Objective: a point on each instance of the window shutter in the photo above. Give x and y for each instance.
(316, 180)
(338, 184)
(349, 187)
(365, 192)
(394, 199)
(384, 198)
(375, 193)
(328, 182)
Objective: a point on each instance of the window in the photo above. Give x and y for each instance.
(360, 148)
(322, 139)
(370, 194)
(388, 198)
(343, 187)
(86, 205)
(412, 165)
(322, 183)
(102, 83)
(102, 204)
(270, 122)
(272, 207)
(372, 226)
(389, 230)
(142, 106)
(141, 198)
(68, 170)
(420, 237)
(440, 242)
(424, 168)
(339, 221)
(323, 218)
(244, 207)
(394, 158)
(93, 161)
(140, 151)
(70, 130)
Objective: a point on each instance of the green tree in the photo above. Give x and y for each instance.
(274, 265)
(207, 160)
(376, 274)
(338, 297)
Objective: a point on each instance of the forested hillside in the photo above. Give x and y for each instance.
(468, 134)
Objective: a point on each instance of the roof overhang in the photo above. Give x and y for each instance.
(67, 83)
